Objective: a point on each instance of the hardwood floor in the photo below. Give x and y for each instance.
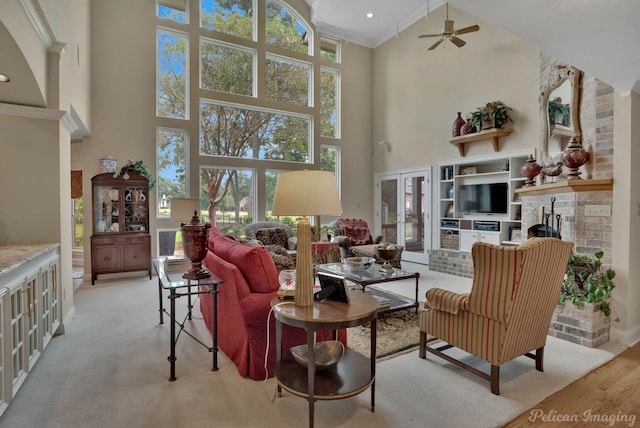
(609, 396)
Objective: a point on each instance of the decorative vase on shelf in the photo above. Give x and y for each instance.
(467, 128)
(457, 125)
(530, 170)
(573, 157)
(451, 192)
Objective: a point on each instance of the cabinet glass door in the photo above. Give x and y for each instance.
(106, 209)
(136, 215)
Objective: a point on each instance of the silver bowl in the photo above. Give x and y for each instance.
(387, 254)
(327, 354)
(359, 263)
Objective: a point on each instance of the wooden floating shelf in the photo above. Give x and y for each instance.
(567, 186)
(489, 134)
(561, 130)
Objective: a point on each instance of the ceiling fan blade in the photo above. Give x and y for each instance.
(469, 29)
(435, 45)
(457, 41)
(448, 26)
(429, 35)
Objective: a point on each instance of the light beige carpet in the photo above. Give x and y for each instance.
(110, 369)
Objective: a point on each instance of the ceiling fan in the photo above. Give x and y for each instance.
(448, 33)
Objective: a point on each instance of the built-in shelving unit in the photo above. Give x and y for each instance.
(459, 229)
(490, 134)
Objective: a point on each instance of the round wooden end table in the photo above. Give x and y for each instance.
(352, 375)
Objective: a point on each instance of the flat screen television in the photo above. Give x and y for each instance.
(488, 198)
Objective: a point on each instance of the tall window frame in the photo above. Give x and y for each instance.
(322, 54)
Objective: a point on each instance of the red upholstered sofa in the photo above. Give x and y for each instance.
(250, 283)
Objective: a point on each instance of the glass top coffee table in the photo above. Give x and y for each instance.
(373, 275)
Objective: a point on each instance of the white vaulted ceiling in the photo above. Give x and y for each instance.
(597, 36)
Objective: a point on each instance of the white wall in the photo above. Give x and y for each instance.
(417, 92)
(30, 188)
(69, 22)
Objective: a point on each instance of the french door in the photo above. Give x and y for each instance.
(403, 207)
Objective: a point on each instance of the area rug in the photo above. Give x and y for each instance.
(396, 332)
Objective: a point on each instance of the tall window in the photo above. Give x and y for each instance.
(172, 68)
(329, 114)
(256, 95)
(171, 167)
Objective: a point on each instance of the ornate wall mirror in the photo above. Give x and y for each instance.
(560, 110)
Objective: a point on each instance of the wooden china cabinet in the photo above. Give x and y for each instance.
(121, 241)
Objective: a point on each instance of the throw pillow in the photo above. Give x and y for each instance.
(272, 236)
(356, 229)
(280, 257)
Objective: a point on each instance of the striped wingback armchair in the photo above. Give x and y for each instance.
(508, 311)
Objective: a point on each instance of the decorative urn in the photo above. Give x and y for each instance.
(573, 157)
(530, 169)
(194, 242)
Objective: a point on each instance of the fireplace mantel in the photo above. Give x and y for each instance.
(567, 186)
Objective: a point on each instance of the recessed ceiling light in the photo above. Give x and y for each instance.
(4, 78)
(369, 15)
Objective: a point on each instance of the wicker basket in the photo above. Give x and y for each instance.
(449, 239)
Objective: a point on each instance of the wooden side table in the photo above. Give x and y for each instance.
(352, 375)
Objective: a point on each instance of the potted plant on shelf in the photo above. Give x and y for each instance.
(139, 168)
(499, 114)
(477, 119)
(494, 114)
(559, 113)
(586, 281)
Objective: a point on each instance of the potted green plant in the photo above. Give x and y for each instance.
(559, 113)
(477, 119)
(494, 114)
(329, 230)
(499, 113)
(139, 168)
(587, 281)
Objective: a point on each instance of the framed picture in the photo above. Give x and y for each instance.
(515, 234)
(332, 287)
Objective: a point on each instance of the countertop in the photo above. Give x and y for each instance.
(14, 256)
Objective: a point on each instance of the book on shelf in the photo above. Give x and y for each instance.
(383, 302)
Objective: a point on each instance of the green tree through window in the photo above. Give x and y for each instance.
(241, 121)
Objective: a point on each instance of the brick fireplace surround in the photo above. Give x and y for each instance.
(589, 234)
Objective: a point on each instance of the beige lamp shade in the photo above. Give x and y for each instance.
(306, 193)
(182, 209)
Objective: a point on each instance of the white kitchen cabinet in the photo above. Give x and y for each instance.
(30, 311)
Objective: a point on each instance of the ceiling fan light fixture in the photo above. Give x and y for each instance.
(449, 32)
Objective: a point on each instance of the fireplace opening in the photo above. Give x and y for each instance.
(551, 226)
